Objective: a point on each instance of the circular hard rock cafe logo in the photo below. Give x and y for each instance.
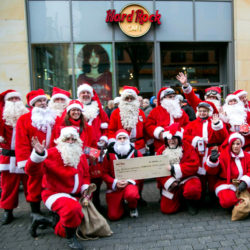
(134, 20)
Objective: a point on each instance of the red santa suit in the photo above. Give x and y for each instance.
(159, 119)
(25, 130)
(62, 186)
(11, 176)
(228, 167)
(116, 197)
(185, 162)
(211, 135)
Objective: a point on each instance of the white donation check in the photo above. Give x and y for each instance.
(141, 167)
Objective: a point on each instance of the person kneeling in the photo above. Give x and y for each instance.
(65, 178)
(120, 191)
(183, 165)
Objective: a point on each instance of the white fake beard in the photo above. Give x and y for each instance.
(174, 155)
(129, 112)
(70, 153)
(215, 102)
(41, 118)
(91, 111)
(235, 114)
(12, 111)
(172, 106)
(58, 107)
(122, 148)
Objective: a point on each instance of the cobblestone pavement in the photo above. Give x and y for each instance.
(211, 228)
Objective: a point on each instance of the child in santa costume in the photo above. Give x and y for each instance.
(11, 108)
(65, 178)
(120, 191)
(183, 166)
(38, 122)
(97, 118)
(59, 100)
(204, 133)
(232, 163)
(212, 94)
(165, 114)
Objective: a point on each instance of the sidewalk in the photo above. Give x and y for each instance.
(209, 229)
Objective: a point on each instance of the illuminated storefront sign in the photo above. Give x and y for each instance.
(134, 20)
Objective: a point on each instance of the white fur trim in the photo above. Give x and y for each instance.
(180, 133)
(32, 101)
(166, 91)
(1, 139)
(12, 94)
(114, 184)
(59, 96)
(218, 126)
(167, 135)
(212, 164)
(104, 125)
(122, 133)
(128, 92)
(21, 164)
(157, 132)
(75, 105)
(67, 131)
(84, 187)
(232, 97)
(237, 136)
(169, 182)
(111, 140)
(224, 187)
(4, 167)
(246, 179)
(195, 140)
(131, 181)
(53, 198)
(38, 158)
(76, 183)
(85, 87)
(177, 169)
(201, 171)
(241, 93)
(167, 194)
(104, 138)
(188, 89)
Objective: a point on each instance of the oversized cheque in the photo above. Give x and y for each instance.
(141, 167)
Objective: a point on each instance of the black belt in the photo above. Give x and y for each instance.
(8, 152)
(135, 139)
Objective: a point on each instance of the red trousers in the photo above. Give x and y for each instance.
(115, 201)
(68, 209)
(190, 190)
(10, 188)
(34, 186)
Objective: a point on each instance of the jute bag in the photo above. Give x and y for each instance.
(93, 225)
(242, 209)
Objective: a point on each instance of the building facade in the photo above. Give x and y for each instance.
(65, 43)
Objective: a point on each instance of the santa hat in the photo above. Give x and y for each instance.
(235, 136)
(173, 130)
(240, 92)
(66, 132)
(85, 87)
(232, 97)
(209, 105)
(214, 91)
(129, 91)
(121, 132)
(4, 96)
(164, 92)
(34, 96)
(60, 93)
(117, 100)
(74, 104)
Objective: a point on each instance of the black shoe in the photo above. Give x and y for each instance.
(192, 207)
(7, 217)
(73, 243)
(35, 207)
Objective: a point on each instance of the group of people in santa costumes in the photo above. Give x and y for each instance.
(45, 147)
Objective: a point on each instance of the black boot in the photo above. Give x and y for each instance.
(192, 207)
(7, 216)
(41, 222)
(73, 243)
(35, 207)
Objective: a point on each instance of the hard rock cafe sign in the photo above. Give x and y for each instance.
(134, 20)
